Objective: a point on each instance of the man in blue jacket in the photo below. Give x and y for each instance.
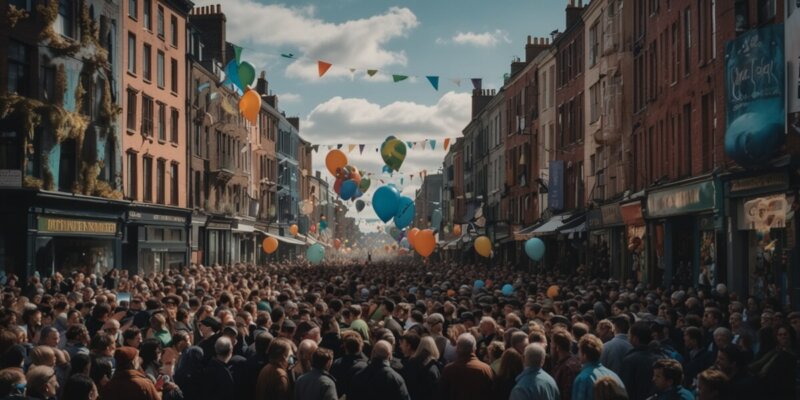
(533, 383)
(590, 347)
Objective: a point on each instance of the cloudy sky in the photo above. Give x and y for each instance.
(454, 40)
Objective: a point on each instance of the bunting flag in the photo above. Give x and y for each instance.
(315, 148)
(446, 143)
(433, 144)
(424, 143)
(361, 148)
(456, 82)
(203, 86)
(323, 67)
(398, 78)
(434, 80)
(350, 148)
(287, 55)
(372, 72)
(409, 145)
(237, 51)
(477, 83)
(339, 146)
(330, 147)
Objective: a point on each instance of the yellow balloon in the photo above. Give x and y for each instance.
(483, 246)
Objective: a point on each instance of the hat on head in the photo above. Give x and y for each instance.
(230, 329)
(263, 306)
(288, 325)
(125, 355)
(171, 299)
(212, 323)
(435, 318)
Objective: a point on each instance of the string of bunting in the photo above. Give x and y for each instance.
(420, 144)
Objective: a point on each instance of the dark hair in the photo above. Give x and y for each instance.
(671, 369)
(562, 339)
(100, 370)
(78, 387)
(130, 334)
(695, 334)
(277, 313)
(101, 341)
(263, 341)
(263, 318)
(714, 378)
(621, 323)
(389, 305)
(101, 310)
(321, 358)
(327, 323)
(149, 352)
(9, 377)
(352, 342)
(641, 330)
(76, 331)
(80, 364)
(278, 349)
(179, 336)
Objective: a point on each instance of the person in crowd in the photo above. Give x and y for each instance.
(129, 382)
(12, 384)
(468, 377)
(590, 349)
(776, 370)
(80, 387)
(305, 352)
(608, 388)
(42, 383)
(533, 382)
(353, 361)
(637, 371)
(317, 384)
(421, 370)
(566, 365)
(696, 357)
(378, 380)
(712, 385)
(218, 378)
(614, 350)
(509, 365)
(731, 360)
(273, 381)
(189, 373)
(667, 380)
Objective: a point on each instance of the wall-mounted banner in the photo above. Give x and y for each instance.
(555, 185)
(755, 89)
(792, 35)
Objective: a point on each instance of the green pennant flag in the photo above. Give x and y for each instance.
(372, 72)
(398, 78)
(237, 51)
(287, 55)
(434, 80)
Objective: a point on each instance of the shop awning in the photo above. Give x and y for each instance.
(287, 240)
(242, 228)
(526, 233)
(551, 226)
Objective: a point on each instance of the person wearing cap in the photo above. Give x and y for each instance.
(211, 330)
(128, 382)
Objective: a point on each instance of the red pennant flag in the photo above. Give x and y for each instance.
(446, 143)
(323, 67)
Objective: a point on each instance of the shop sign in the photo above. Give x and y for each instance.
(68, 225)
(10, 178)
(682, 200)
(764, 213)
(632, 214)
(594, 219)
(555, 185)
(611, 214)
(139, 216)
(218, 225)
(769, 182)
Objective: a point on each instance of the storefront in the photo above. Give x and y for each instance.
(157, 238)
(607, 243)
(217, 241)
(642, 263)
(197, 235)
(687, 230)
(244, 240)
(763, 232)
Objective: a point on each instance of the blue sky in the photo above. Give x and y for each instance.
(464, 38)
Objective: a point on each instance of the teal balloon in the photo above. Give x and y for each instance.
(246, 73)
(405, 212)
(348, 189)
(508, 290)
(364, 185)
(534, 248)
(315, 253)
(479, 284)
(395, 233)
(323, 225)
(385, 202)
(436, 219)
(232, 74)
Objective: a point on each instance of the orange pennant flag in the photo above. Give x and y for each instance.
(446, 143)
(323, 67)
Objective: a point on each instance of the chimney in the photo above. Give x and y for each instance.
(294, 121)
(262, 86)
(272, 100)
(480, 98)
(517, 66)
(534, 47)
(210, 21)
(574, 11)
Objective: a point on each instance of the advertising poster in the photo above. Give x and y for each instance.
(792, 28)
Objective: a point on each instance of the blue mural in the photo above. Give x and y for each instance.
(755, 90)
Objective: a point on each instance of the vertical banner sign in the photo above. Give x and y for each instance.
(755, 89)
(793, 66)
(555, 187)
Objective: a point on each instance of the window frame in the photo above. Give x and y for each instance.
(132, 174)
(160, 22)
(147, 62)
(174, 125)
(147, 178)
(147, 14)
(161, 184)
(133, 12)
(162, 122)
(160, 69)
(174, 173)
(132, 53)
(132, 100)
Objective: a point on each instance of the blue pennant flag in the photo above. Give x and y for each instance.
(434, 80)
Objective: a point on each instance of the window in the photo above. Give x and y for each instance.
(741, 12)
(147, 115)
(196, 142)
(147, 62)
(160, 69)
(21, 4)
(160, 182)
(147, 178)
(687, 139)
(130, 175)
(18, 68)
(160, 22)
(174, 176)
(131, 114)
(594, 94)
(174, 123)
(594, 44)
(131, 53)
(174, 75)
(162, 121)
(65, 21)
(687, 40)
(674, 53)
(766, 11)
(148, 15)
(173, 24)
(133, 9)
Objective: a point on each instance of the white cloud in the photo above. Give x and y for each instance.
(290, 98)
(357, 43)
(482, 39)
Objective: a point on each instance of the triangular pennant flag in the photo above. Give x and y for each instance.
(409, 144)
(424, 143)
(372, 72)
(287, 55)
(398, 78)
(330, 147)
(361, 150)
(433, 144)
(446, 143)
(323, 67)
(350, 148)
(457, 82)
(315, 148)
(237, 51)
(434, 80)
(477, 83)
(352, 70)
(339, 146)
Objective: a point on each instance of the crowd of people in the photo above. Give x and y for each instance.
(388, 330)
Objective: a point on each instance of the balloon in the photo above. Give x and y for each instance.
(355, 175)
(337, 186)
(479, 284)
(436, 219)
(508, 290)
(393, 152)
(293, 229)
(360, 205)
(313, 228)
(250, 105)
(270, 244)
(323, 225)
(405, 244)
(232, 74)
(307, 208)
(457, 230)
(337, 243)
(315, 253)
(483, 246)
(385, 202)
(364, 185)
(425, 243)
(335, 160)
(246, 73)
(552, 291)
(348, 189)
(412, 235)
(386, 169)
(357, 194)
(534, 248)
(751, 138)
(405, 212)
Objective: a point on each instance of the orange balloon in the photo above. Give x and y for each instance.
(249, 105)
(425, 243)
(552, 291)
(269, 245)
(412, 235)
(293, 229)
(335, 160)
(355, 175)
(337, 243)
(457, 230)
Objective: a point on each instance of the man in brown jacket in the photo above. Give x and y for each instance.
(468, 377)
(128, 382)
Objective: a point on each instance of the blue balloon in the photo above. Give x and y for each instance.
(479, 284)
(404, 243)
(405, 212)
(348, 189)
(232, 74)
(357, 194)
(386, 169)
(436, 219)
(385, 202)
(534, 248)
(315, 253)
(508, 290)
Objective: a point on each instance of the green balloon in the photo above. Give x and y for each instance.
(393, 152)
(247, 74)
(364, 185)
(315, 253)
